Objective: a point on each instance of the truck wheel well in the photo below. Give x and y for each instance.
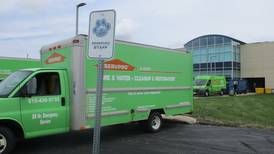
(14, 126)
(161, 111)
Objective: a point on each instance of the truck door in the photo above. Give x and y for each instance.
(209, 86)
(214, 85)
(44, 108)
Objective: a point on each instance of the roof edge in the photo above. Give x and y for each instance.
(241, 42)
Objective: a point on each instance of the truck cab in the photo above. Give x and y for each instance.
(209, 85)
(33, 102)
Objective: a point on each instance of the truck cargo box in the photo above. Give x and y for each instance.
(138, 79)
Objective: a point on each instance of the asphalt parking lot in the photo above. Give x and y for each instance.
(174, 138)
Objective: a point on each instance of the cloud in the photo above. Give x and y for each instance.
(126, 28)
(19, 48)
(29, 6)
(24, 35)
(31, 24)
(27, 29)
(41, 8)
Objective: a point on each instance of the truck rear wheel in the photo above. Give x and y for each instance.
(222, 92)
(7, 140)
(154, 122)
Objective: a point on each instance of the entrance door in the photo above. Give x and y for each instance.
(43, 108)
(255, 83)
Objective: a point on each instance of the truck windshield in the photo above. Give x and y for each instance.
(200, 82)
(9, 83)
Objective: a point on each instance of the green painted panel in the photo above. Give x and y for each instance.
(9, 65)
(151, 67)
(140, 67)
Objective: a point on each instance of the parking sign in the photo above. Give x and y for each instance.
(101, 34)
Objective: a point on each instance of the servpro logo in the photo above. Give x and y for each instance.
(55, 58)
(117, 65)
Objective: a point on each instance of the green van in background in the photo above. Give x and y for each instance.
(209, 85)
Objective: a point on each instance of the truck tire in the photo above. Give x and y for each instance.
(222, 92)
(7, 140)
(206, 93)
(154, 122)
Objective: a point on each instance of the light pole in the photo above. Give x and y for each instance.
(77, 12)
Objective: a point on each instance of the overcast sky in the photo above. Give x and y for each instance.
(26, 25)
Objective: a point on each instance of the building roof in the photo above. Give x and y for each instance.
(241, 42)
(261, 43)
(181, 49)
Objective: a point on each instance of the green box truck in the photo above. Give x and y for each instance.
(209, 85)
(9, 65)
(141, 82)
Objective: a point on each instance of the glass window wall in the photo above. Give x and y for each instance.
(214, 54)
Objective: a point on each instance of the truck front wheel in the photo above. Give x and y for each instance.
(7, 140)
(206, 93)
(154, 122)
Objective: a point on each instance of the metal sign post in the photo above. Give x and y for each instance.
(101, 46)
(98, 109)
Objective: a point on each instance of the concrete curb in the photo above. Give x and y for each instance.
(181, 118)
